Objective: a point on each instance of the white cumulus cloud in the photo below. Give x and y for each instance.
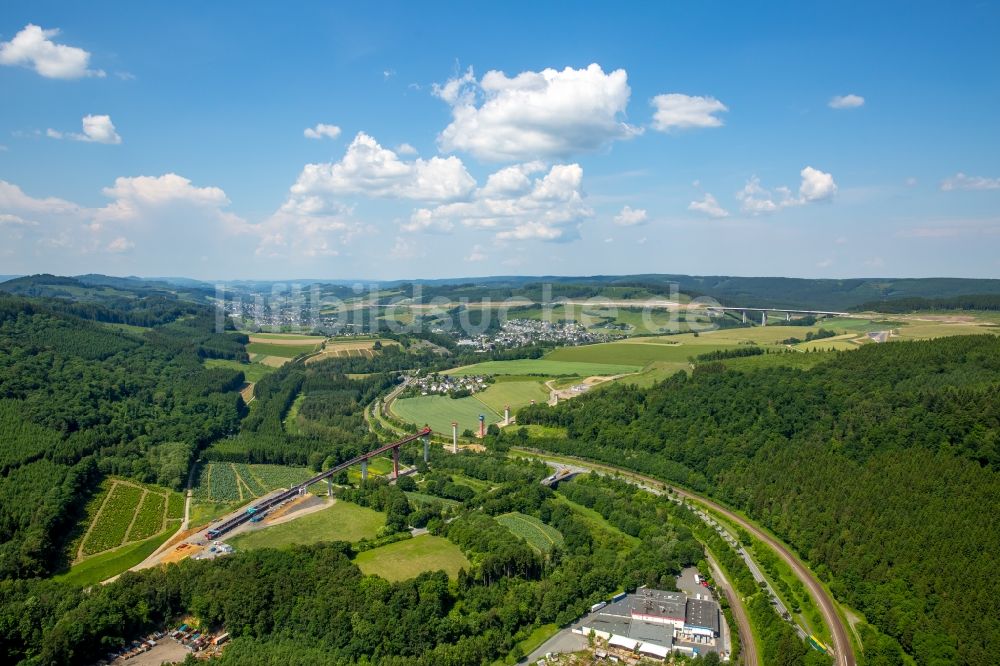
(962, 182)
(369, 169)
(141, 197)
(320, 131)
(515, 206)
(629, 217)
(709, 206)
(815, 186)
(120, 244)
(535, 115)
(33, 47)
(678, 111)
(846, 102)
(96, 129)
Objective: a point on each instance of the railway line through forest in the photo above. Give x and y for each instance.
(842, 649)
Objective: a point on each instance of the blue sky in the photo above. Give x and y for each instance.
(573, 138)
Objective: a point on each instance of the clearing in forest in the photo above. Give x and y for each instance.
(126, 512)
(411, 557)
(539, 536)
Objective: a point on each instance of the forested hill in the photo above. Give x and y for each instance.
(778, 292)
(103, 289)
(881, 467)
(81, 399)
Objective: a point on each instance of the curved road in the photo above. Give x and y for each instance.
(843, 651)
(748, 648)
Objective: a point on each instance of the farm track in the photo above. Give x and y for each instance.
(164, 520)
(135, 516)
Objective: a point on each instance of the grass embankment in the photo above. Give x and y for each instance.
(113, 562)
(342, 521)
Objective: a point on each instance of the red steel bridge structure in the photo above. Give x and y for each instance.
(265, 505)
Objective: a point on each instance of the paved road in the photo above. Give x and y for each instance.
(748, 649)
(843, 651)
(565, 642)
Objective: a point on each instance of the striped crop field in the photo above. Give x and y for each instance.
(539, 536)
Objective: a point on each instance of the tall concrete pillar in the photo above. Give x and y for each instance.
(744, 316)
(788, 316)
(763, 318)
(329, 486)
(427, 448)
(454, 436)
(364, 469)
(395, 462)
(506, 415)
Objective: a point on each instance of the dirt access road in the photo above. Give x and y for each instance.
(842, 648)
(748, 648)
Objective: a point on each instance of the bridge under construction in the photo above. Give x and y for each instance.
(257, 511)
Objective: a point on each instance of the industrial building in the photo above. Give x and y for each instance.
(654, 623)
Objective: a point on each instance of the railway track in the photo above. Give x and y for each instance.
(843, 651)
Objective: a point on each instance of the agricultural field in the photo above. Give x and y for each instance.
(126, 513)
(253, 372)
(341, 521)
(240, 482)
(516, 394)
(621, 353)
(438, 411)
(285, 338)
(539, 536)
(347, 347)
(411, 557)
(922, 327)
(544, 367)
(280, 350)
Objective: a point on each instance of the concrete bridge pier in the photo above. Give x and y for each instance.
(763, 318)
(744, 316)
(395, 462)
(364, 470)
(454, 436)
(427, 449)
(329, 486)
(788, 316)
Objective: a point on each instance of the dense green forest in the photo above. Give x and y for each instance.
(291, 606)
(913, 304)
(80, 399)
(880, 467)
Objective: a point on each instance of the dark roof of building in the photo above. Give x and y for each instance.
(702, 613)
(650, 632)
(658, 602)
